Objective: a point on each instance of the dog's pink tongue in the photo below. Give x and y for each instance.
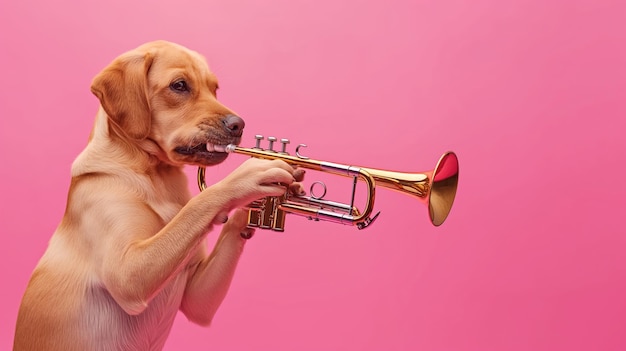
(215, 148)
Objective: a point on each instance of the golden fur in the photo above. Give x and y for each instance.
(130, 249)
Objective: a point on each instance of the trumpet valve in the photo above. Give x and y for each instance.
(266, 213)
(254, 218)
(258, 138)
(285, 142)
(278, 220)
(271, 140)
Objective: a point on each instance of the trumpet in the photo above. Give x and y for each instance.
(436, 189)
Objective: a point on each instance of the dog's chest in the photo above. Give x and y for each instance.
(167, 198)
(166, 209)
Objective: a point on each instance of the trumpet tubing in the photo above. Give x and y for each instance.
(436, 189)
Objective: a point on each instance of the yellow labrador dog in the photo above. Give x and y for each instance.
(130, 250)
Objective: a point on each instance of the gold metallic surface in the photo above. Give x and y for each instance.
(435, 188)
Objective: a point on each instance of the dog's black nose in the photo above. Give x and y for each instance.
(234, 125)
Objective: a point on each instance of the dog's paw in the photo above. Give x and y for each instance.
(221, 218)
(247, 233)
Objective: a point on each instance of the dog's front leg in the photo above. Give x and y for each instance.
(136, 265)
(211, 279)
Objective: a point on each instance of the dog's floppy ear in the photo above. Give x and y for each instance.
(122, 90)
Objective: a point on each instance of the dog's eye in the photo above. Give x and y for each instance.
(179, 86)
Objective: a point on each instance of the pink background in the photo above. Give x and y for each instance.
(530, 94)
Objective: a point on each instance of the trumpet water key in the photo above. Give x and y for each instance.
(435, 188)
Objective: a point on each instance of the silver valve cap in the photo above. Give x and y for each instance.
(285, 142)
(271, 140)
(258, 138)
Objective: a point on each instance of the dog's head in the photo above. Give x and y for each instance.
(166, 93)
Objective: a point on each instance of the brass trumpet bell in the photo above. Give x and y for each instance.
(443, 188)
(436, 188)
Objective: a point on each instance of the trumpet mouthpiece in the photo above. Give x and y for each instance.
(230, 148)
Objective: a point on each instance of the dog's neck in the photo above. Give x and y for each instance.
(108, 142)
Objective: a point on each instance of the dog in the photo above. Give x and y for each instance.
(130, 250)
